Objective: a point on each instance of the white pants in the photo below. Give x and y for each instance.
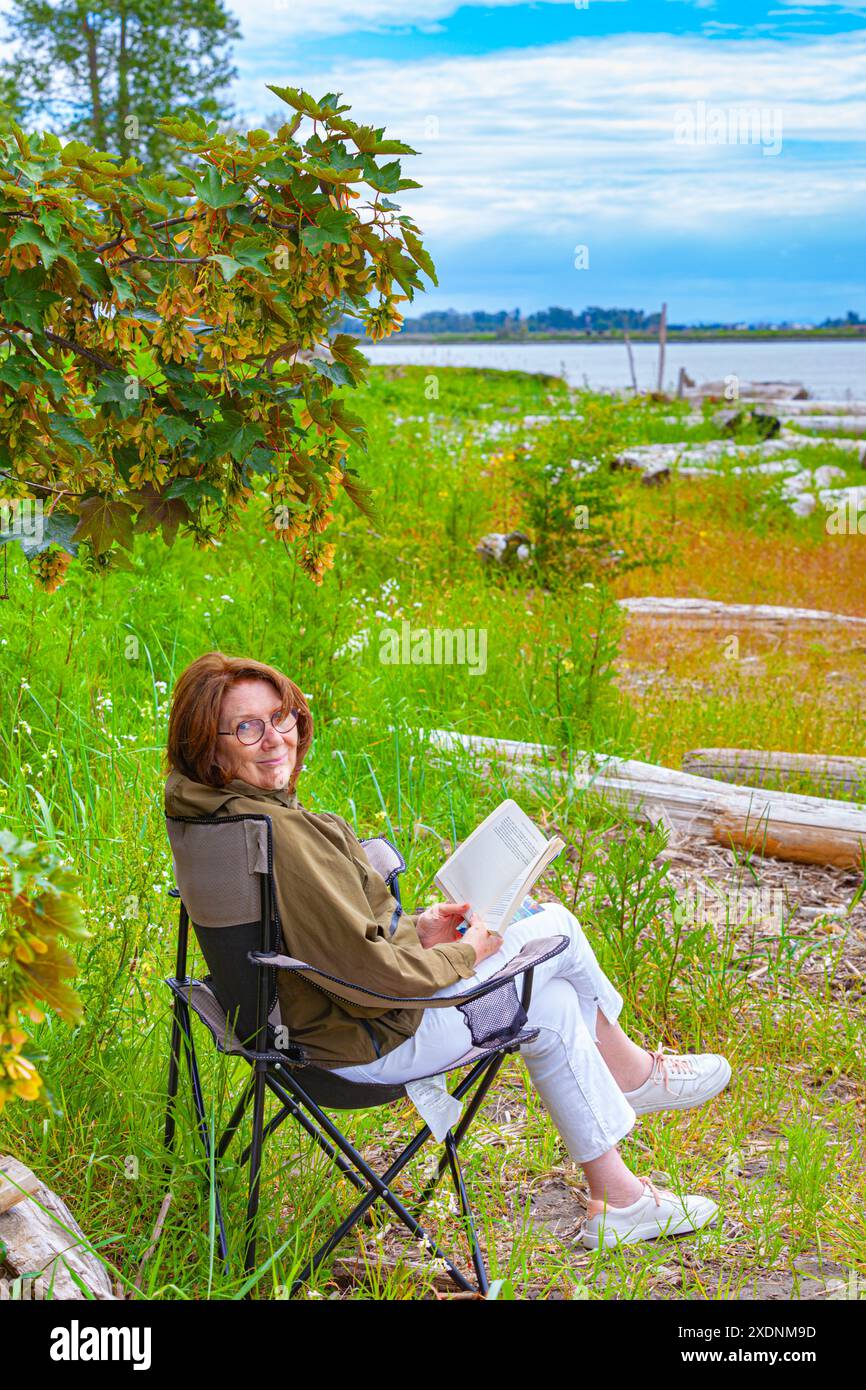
(566, 1067)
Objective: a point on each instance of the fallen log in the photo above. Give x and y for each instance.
(42, 1243)
(16, 1182)
(701, 612)
(790, 439)
(797, 827)
(760, 768)
(854, 424)
(783, 839)
(813, 407)
(753, 390)
(710, 453)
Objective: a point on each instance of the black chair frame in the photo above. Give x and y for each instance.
(303, 1089)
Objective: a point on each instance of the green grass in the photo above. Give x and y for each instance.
(87, 674)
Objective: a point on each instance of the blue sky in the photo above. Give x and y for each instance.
(709, 154)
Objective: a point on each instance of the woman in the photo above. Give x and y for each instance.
(238, 735)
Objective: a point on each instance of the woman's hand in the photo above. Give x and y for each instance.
(486, 943)
(439, 923)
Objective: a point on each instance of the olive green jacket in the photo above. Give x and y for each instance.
(338, 915)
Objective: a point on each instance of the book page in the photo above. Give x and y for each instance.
(496, 855)
(501, 914)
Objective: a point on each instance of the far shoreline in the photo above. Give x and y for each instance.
(602, 340)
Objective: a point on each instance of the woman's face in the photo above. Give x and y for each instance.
(269, 763)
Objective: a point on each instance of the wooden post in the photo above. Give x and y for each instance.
(630, 359)
(681, 383)
(663, 337)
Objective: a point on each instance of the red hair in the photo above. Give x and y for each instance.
(195, 712)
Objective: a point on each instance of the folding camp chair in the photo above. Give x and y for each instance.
(225, 882)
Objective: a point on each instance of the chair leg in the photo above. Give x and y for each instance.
(460, 1188)
(379, 1189)
(198, 1101)
(173, 1074)
(336, 1158)
(255, 1165)
(463, 1125)
(234, 1123)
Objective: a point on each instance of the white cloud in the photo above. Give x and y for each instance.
(266, 19)
(544, 141)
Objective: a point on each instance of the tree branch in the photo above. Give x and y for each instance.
(43, 487)
(129, 236)
(71, 346)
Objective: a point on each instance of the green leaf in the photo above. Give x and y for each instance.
(253, 252)
(227, 265)
(211, 190)
(29, 234)
(331, 228)
(419, 255)
(94, 274)
(55, 529)
(115, 391)
(501, 1290)
(370, 141)
(174, 428)
(260, 461)
(277, 171)
(345, 349)
(231, 435)
(334, 371)
(52, 221)
(331, 174)
(303, 102)
(66, 429)
(192, 490)
(17, 369)
(385, 177)
(24, 299)
(352, 426)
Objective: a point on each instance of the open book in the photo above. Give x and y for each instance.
(497, 865)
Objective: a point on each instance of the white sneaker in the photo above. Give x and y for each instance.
(656, 1213)
(680, 1081)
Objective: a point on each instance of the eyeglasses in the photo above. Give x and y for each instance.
(251, 731)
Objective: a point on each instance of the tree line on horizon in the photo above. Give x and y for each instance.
(510, 323)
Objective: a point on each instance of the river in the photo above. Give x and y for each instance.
(830, 370)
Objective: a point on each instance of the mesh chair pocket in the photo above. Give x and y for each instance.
(496, 1017)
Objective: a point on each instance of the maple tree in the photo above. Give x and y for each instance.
(107, 71)
(39, 904)
(167, 341)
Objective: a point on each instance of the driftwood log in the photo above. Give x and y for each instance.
(783, 825)
(854, 424)
(41, 1243)
(842, 776)
(813, 407)
(702, 612)
(754, 390)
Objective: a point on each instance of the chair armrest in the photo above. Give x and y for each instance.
(532, 954)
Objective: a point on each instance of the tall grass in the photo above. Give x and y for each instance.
(86, 679)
